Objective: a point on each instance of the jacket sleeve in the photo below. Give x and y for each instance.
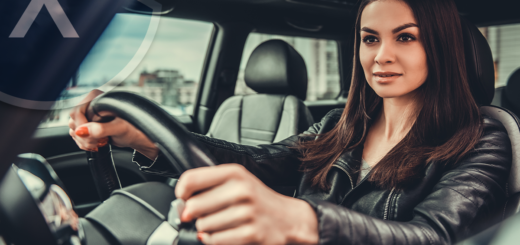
(474, 188)
(276, 164)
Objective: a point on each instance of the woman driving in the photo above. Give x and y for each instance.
(410, 160)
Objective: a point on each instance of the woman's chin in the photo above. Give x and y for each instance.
(391, 94)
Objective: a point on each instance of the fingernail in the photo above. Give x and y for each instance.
(200, 235)
(185, 217)
(102, 142)
(82, 132)
(203, 237)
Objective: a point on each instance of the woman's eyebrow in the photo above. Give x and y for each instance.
(394, 31)
(369, 30)
(402, 27)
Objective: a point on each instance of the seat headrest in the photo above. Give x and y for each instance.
(512, 89)
(275, 67)
(479, 64)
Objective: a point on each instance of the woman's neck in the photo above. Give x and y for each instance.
(396, 118)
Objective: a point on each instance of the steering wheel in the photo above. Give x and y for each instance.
(175, 142)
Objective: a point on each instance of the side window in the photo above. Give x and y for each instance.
(321, 59)
(503, 41)
(167, 72)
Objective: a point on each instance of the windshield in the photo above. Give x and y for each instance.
(157, 57)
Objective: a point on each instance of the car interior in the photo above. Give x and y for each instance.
(505, 95)
(275, 71)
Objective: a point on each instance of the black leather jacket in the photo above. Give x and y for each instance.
(446, 206)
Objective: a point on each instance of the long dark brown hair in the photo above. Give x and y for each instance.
(448, 123)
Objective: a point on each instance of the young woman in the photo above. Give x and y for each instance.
(410, 160)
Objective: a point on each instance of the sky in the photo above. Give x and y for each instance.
(178, 44)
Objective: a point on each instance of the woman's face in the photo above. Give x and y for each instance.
(393, 58)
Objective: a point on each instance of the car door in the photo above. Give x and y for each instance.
(160, 58)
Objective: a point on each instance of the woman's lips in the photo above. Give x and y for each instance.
(386, 77)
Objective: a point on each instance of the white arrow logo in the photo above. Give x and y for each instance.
(57, 14)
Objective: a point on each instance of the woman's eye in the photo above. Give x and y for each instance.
(370, 39)
(406, 38)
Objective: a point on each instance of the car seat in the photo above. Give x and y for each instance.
(511, 93)
(480, 68)
(278, 73)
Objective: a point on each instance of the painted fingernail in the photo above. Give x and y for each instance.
(204, 237)
(185, 217)
(82, 132)
(102, 142)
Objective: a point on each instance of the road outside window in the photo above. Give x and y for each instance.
(168, 74)
(321, 59)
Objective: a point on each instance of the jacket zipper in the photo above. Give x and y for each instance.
(387, 204)
(351, 182)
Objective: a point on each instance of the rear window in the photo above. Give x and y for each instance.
(504, 41)
(321, 59)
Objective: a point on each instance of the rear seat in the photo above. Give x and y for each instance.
(509, 96)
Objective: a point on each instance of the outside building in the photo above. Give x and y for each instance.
(162, 86)
(166, 87)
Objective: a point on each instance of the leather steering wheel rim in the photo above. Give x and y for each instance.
(175, 142)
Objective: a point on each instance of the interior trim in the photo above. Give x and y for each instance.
(165, 234)
(308, 27)
(140, 201)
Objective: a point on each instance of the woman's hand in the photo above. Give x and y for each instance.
(91, 135)
(232, 206)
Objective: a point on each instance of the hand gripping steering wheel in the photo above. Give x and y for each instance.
(174, 141)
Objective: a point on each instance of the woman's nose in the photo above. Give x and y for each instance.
(385, 54)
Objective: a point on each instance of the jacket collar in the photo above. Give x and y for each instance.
(351, 159)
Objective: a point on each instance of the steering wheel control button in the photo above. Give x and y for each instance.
(174, 215)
